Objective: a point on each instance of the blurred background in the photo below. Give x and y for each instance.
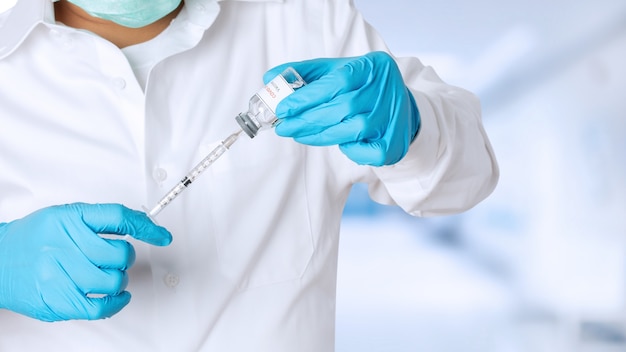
(541, 264)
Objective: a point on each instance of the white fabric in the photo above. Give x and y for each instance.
(253, 262)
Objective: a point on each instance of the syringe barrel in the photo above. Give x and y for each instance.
(168, 197)
(206, 162)
(220, 149)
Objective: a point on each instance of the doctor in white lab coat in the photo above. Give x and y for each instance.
(103, 110)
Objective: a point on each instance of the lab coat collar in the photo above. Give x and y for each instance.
(20, 21)
(27, 14)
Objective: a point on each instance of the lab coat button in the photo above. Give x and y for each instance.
(119, 83)
(159, 175)
(62, 38)
(171, 280)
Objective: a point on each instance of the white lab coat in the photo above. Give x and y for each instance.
(253, 263)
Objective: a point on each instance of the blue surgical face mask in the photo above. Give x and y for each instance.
(128, 13)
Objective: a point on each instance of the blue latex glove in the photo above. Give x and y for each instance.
(54, 265)
(360, 103)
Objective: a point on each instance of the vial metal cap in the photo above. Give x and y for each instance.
(247, 125)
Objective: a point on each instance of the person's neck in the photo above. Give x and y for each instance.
(73, 16)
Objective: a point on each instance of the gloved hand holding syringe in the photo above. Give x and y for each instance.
(260, 115)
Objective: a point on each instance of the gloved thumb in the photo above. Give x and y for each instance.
(119, 220)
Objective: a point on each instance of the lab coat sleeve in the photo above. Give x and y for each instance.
(450, 166)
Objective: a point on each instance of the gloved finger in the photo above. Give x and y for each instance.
(91, 308)
(375, 153)
(113, 254)
(104, 252)
(321, 91)
(90, 279)
(353, 129)
(347, 118)
(107, 306)
(106, 282)
(115, 282)
(372, 153)
(120, 220)
(321, 117)
(63, 299)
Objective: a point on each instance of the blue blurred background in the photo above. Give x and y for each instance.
(541, 264)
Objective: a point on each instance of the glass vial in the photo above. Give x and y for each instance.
(262, 106)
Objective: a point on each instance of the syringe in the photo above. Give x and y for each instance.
(260, 116)
(194, 173)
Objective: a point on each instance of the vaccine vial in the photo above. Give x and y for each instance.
(262, 106)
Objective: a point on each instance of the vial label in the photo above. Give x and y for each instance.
(275, 91)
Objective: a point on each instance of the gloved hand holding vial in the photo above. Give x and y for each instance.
(359, 103)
